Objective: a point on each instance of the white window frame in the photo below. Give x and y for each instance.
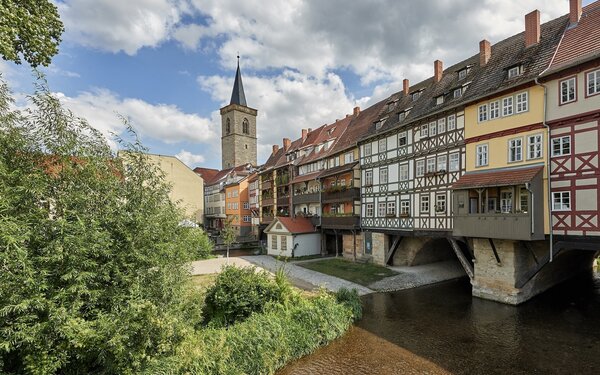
(424, 132)
(439, 100)
(494, 110)
(506, 201)
(382, 145)
(440, 203)
(462, 74)
(430, 165)
(381, 209)
(369, 210)
(454, 165)
(508, 106)
(383, 175)
(568, 90)
(481, 155)
(442, 163)
(424, 203)
(369, 177)
(592, 82)
(348, 157)
(457, 93)
(274, 242)
(403, 172)
(283, 243)
(391, 208)
(405, 207)
(368, 149)
(515, 150)
(515, 71)
(246, 205)
(482, 111)
(522, 102)
(441, 125)
(558, 201)
(420, 168)
(432, 129)
(451, 122)
(562, 141)
(535, 146)
(402, 135)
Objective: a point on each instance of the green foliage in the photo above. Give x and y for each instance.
(264, 342)
(240, 292)
(351, 299)
(29, 29)
(228, 234)
(93, 276)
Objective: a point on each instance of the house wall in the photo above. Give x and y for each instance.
(308, 244)
(583, 104)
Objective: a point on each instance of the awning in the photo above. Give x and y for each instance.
(306, 177)
(502, 177)
(337, 170)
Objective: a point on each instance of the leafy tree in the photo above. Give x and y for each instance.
(31, 29)
(93, 260)
(228, 235)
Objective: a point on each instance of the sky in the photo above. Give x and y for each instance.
(169, 65)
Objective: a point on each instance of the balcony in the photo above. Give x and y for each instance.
(506, 226)
(283, 201)
(266, 219)
(267, 201)
(343, 194)
(340, 222)
(305, 198)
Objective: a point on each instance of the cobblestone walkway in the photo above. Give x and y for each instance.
(415, 276)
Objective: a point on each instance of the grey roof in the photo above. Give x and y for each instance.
(237, 95)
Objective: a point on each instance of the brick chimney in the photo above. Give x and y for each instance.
(405, 86)
(438, 68)
(574, 10)
(532, 28)
(275, 149)
(356, 111)
(286, 143)
(309, 130)
(485, 52)
(304, 134)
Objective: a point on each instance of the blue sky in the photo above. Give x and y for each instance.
(168, 65)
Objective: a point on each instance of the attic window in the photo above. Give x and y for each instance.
(415, 95)
(379, 124)
(331, 131)
(402, 115)
(391, 106)
(439, 100)
(457, 93)
(515, 71)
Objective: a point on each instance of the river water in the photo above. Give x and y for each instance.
(441, 329)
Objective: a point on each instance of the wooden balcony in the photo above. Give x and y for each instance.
(508, 226)
(347, 195)
(306, 198)
(267, 201)
(283, 201)
(340, 222)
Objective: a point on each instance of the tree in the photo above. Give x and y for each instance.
(228, 235)
(30, 29)
(94, 275)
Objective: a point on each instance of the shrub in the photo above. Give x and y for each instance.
(239, 292)
(351, 299)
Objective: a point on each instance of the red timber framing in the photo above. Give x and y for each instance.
(579, 174)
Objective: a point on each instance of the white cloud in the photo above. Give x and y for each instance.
(189, 159)
(162, 122)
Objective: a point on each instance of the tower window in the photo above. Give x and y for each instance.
(245, 126)
(246, 147)
(228, 126)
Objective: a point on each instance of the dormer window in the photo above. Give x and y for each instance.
(439, 100)
(415, 95)
(402, 115)
(391, 106)
(457, 93)
(379, 124)
(515, 71)
(462, 74)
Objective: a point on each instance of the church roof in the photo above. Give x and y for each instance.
(237, 95)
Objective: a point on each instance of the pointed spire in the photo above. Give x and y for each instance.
(237, 96)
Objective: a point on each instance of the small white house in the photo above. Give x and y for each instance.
(292, 237)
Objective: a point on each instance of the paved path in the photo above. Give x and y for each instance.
(415, 276)
(214, 265)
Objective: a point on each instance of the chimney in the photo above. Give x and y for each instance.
(304, 134)
(532, 28)
(574, 10)
(405, 86)
(437, 70)
(485, 52)
(286, 143)
(275, 149)
(356, 111)
(309, 130)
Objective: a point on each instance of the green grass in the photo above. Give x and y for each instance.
(298, 259)
(363, 274)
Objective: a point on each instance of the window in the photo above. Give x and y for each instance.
(507, 106)
(534, 146)
(424, 203)
(246, 205)
(245, 126)
(348, 158)
(369, 210)
(432, 129)
(494, 110)
(439, 100)
(514, 71)
(482, 155)
(404, 207)
(568, 91)
(561, 146)
(524, 200)
(441, 125)
(454, 162)
(391, 209)
(561, 201)
(441, 162)
(415, 95)
(451, 122)
(334, 162)
(381, 209)
(431, 165)
(440, 203)
(401, 116)
(491, 206)
(402, 139)
(367, 149)
(403, 172)
(247, 219)
(457, 93)
(506, 201)
(515, 152)
(424, 131)
(382, 145)
(522, 103)
(283, 243)
(483, 113)
(383, 175)
(462, 74)
(378, 124)
(593, 82)
(368, 178)
(228, 126)
(273, 242)
(420, 168)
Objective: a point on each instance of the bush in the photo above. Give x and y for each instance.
(239, 292)
(351, 299)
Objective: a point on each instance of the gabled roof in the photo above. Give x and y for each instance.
(498, 177)
(358, 127)
(237, 95)
(207, 174)
(298, 225)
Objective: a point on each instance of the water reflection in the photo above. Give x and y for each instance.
(442, 328)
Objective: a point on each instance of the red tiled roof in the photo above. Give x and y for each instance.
(504, 177)
(306, 177)
(207, 174)
(297, 225)
(580, 41)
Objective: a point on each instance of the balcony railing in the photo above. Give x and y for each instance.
(340, 222)
(269, 201)
(305, 198)
(283, 201)
(509, 226)
(340, 195)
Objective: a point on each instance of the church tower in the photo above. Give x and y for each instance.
(238, 128)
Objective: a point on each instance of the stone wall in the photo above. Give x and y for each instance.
(348, 245)
(380, 246)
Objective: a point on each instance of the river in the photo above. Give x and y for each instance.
(441, 329)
